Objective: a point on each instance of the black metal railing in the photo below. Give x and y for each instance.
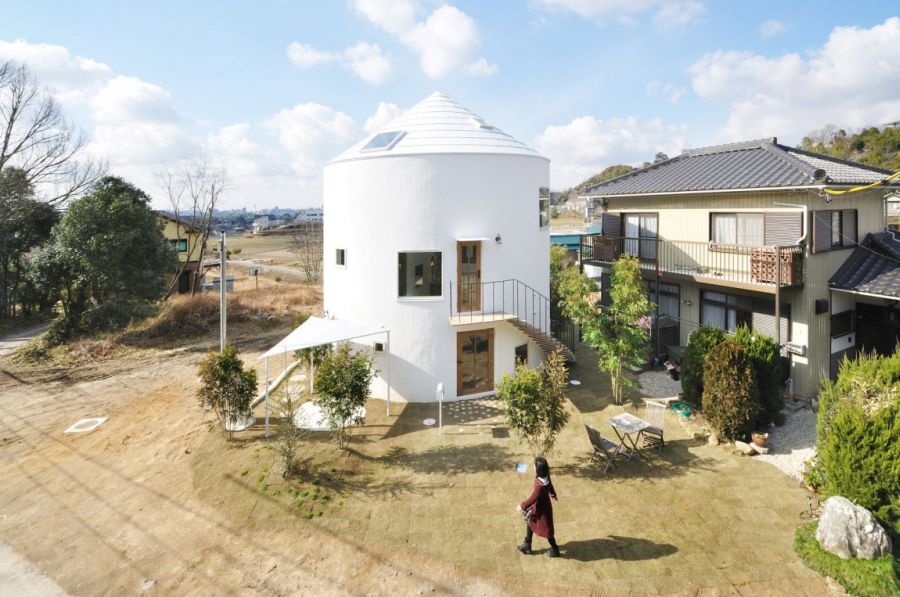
(480, 302)
(764, 265)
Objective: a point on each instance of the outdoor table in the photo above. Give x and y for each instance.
(628, 429)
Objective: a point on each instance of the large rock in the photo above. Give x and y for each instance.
(851, 531)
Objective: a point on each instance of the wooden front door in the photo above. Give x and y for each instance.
(468, 275)
(474, 362)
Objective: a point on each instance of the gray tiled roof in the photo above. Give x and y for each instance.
(872, 268)
(757, 164)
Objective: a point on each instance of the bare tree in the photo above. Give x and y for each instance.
(306, 244)
(36, 139)
(194, 190)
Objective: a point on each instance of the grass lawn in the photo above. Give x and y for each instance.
(692, 517)
(862, 578)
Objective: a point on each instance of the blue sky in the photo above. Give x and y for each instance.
(271, 92)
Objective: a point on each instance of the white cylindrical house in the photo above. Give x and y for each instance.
(436, 227)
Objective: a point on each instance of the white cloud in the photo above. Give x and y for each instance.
(306, 56)
(482, 68)
(853, 80)
(771, 28)
(671, 93)
(384, 114)
(667, 14)
(586, 145)
(368, 62)
(71, 77)
(312, 133)
(394, 16)
(445, 42)
(675, 15)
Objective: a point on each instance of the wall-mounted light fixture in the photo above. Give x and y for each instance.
(498, 240)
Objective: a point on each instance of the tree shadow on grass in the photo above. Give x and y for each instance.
(674, 459)
(614, 547)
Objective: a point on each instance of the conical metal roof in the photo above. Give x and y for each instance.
(436, 125)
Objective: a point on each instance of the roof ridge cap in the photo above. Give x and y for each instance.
(726, 147)
(843, 161)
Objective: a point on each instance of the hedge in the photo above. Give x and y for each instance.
(730, 398)
(699, 344)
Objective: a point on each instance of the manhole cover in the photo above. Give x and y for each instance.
(575, 382)
(428, 422)
(499, 432)
(85, 425)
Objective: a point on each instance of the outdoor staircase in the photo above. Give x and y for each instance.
(546, 341)
(515, 302)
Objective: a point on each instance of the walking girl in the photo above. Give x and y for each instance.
(539, 509)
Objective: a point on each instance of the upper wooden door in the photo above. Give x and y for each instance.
(468, 275)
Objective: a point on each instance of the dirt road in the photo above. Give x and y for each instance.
(114, 511)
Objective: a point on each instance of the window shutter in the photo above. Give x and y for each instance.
(763, 319)
(611, 223)
(821, 231)
(783, 228)
(849, 221)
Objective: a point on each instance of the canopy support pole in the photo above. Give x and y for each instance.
(388, 351)
(267, 396)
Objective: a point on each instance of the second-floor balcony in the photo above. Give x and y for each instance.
(761, 268)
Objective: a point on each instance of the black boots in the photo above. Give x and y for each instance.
(524, 548)
(553, 552)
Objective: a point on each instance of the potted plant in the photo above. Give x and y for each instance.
(760, 438)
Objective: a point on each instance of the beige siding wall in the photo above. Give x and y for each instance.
(686, 217)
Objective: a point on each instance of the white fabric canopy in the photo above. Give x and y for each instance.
(316, 331)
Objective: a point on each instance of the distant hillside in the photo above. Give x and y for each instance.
(872, 146)
(607, 173)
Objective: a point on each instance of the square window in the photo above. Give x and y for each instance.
(341, 257)
(419, 274)
(522, 354)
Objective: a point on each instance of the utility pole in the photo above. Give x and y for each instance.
(223, 315)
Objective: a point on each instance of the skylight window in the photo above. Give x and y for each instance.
(383, 140)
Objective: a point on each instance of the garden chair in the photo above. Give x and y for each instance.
(655, 414)
(605, 451)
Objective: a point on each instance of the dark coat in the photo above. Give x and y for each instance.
(542, 521)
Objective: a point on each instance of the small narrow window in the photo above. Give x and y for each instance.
(544, 207)
(378, 346)
(836, 229)
(341, 257)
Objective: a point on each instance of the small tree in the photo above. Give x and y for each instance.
(289, 433)
(307, 245)
(767, 366)
(313, 356)
(226, 387)
(534, 401)
(730, 401)
(623, 329)
(343, 382)
(704, 339)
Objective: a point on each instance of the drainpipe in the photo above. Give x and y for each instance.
(800, 241)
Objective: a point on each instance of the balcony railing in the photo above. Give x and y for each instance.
(481, 302)
(724, 263)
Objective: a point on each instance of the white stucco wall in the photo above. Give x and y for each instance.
(378, 207)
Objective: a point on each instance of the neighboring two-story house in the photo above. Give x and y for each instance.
(187, 241)
(743, 234)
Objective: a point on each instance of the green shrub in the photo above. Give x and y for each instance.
(730, 400)
(766, 359)
(699, 344)
(116, 314)
(858, 436)
(226, 386)
(863, 578)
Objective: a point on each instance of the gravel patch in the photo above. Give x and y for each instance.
(658, 384)
(792, 444)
